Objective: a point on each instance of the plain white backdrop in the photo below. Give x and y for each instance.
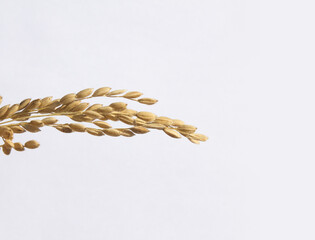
(241, 71)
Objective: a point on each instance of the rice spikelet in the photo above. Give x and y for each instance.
(93, 114)
(186, 129)
(132, 94)
(17, 129)
(139, 129)
(13, 109)
(6, 150)
(80, 107)
(146, 116)
(49, 121)
(101, 92)
(3, 110)
(24, 103)
(84, 93)
(94, 107)
(105, 110)
(94, 131)
(8, 143)
(32, 144)
(77, 127)
(33, 105)
(45, 102)
(18, 146)
(118, 106)
(30, 128)
(102, 124)
(126, 119)
(172, 133)
(111, 132)
(68, 98)
(37, 123)
(147, 101)
(116, 92)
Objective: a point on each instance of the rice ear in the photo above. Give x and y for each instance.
(33, 115)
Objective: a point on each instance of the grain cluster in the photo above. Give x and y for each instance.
(31, 115)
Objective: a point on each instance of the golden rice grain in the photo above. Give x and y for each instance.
(93, 114)
(60, 109)
(126, 119)
(138, 122)
(94, 131)
(17, 129)
(129, 112)
(177, 122)
(186, 129)
(133, 94)
(81, 118)
(18, 146)
(24, 103)
(80, 107)
(84, 93)
(193, 140)
(111, 132)
(112, 117)
(164, 120)
(116, 92)
(125, 132)
(68, 98)
(64, 128)
(13, 109)
(148, 101)
(172, 132)
(118, 106)
(37, 123)
(32, 144)
(77, 127)
(7, 133)
(146, 116)
(101, 92)
(3, 110)
(139, 129)
(49, 121)
(30, 128)
(55, 103)
(105, 110)
(71, 106)
(6, 150)
(94, 107)
(21, 115)
(45, 101)
(102, 124)
(3, 129)
(33, 105)
(8, 143)
(199, 137)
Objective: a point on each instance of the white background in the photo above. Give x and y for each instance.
(240, 70)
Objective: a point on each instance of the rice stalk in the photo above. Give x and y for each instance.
(33, 115)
